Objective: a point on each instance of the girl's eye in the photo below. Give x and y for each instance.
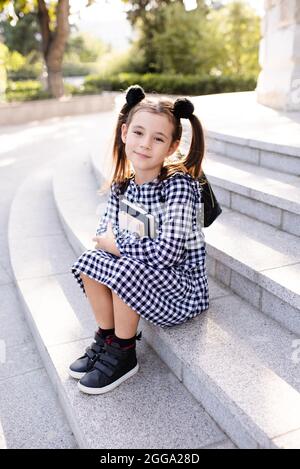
(139, 133)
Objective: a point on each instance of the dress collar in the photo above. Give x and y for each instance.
(133, 183)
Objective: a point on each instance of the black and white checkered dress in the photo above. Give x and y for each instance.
(163, 279)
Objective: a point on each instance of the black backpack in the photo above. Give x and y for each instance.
(212, 208)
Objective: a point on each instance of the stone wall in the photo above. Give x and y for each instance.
(20, 113)
(279, 81)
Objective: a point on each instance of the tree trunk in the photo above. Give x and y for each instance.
(54, 43)
(55, 82)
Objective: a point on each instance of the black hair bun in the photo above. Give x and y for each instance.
(183, 108)
(134, 95)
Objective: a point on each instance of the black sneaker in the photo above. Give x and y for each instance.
(85, 363)
(113, 366)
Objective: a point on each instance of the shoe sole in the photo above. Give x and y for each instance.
(109, 387)
(76, 374)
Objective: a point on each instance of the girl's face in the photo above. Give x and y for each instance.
(148, 141)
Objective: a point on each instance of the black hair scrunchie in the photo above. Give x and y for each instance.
(183, 108)
(134, 95)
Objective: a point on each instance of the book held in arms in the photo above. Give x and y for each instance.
(135, 219)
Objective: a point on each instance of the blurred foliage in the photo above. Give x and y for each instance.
(146, 10)
(3, 65)
(166, 30)
(17, 10)
(236, 28)
(21, 68)
(28, 90)
(215, 41)
(25, 91)
(22, 36)
(207, 50)
(83, 55)
(85, 47)
(172, 84)
(52, 18)
(81, 90)
(185, 44)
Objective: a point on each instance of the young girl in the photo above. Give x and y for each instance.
(162, 279)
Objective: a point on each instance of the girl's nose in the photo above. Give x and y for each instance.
(146, 144)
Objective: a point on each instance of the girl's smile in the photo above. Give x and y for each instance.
(141, 155)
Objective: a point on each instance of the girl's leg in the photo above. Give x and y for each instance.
(100, 298)
(126, 319)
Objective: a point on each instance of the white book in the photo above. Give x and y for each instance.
(135, 219)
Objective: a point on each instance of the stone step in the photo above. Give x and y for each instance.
(283, 158)
(238, 127)
(25, 387)
(262, 194)
(259, 263)
(256, 351)
(151, 410)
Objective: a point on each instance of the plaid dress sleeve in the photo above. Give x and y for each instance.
(111, 211)
(168, 249)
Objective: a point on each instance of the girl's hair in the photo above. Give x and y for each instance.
(191, 163)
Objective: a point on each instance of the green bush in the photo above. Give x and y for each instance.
(25, 91)
(3, 72)
(29, 73)
(32, 90)
(81, 90)
(17, 86)
(73, 69)
(171, 84)
(24, 67)
(152, 83)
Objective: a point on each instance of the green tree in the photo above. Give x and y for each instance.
(23, 35)
(137, 9)
(85, 47)
(184, 45)
(3, 64)
(150, 18)
(239, 27)
(84, 54)
(53, 19)
(216, 40)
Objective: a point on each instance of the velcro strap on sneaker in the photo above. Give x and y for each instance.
(97, 348)
(90, 353)
(105, 369)
(107, 358)
(92, 349)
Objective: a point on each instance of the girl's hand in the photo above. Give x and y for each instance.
(107, 242)
(100, 241)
